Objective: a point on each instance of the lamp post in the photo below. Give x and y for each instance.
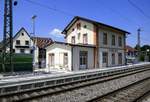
(33, 28)
(147, 54)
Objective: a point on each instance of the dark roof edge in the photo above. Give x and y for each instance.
(22, 28)
(89, 20)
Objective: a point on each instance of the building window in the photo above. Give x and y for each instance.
(113, 58)
(85, 26)
(22, 51)
(72, 29)
(17, 42)
(13, 50)
(83, 58)
(73, 40)
(113, 40)
(22, 34)
(65, 58)
(105, 57)
(78, 26)
(119, 58)
(79, 34)
(51, 59)
(31, 51)
(120, 41)
(85, 39)
(105, 38)
(27, 42)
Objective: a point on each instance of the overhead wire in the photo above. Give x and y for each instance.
(50, 8)
(139, 9)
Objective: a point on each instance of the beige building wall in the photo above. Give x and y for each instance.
(58, 50)
(79, 33)
(109, 48)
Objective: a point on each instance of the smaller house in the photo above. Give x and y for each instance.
(69, 57)
(131, 54)
(22, 42)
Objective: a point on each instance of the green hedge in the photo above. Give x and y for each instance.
(21, 62)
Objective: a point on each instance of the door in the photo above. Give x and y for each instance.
(113, 59)
(83, 62)
(105, 59)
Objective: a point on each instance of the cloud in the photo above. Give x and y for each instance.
(55, 34)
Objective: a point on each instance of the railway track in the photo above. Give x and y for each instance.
(52, 90)
(144, 98)
(131, 93)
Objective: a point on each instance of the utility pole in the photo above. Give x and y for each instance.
(34, 39)
(139, 43)
(8, 35)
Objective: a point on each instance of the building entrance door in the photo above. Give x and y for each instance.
(83, 60)
(105, 59)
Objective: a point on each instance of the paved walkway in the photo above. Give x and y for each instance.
(53, 74)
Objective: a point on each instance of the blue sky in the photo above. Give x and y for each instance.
(49, 23)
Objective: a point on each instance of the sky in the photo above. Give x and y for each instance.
(54, 15)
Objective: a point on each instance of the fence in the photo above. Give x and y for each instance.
(21, 62)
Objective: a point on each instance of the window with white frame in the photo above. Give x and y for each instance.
(73, 40)
(51, 59)
(105, 38)
(105, 57)
(113, 40)
(83, 57)
(120, 41)
(65, 59)
(17, 42)
(85, 39)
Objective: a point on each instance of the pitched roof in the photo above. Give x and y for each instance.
(42, 42)
(129, 48)
(92, 21)
(20, 31)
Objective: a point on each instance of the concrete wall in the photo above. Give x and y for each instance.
(76, 58)
(110, 51)
(58, 49)
(109, 48)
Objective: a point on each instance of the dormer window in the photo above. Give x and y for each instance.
(78, 26)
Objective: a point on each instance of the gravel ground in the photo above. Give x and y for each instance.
(89, 92)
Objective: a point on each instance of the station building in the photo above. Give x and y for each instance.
(88, 44)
